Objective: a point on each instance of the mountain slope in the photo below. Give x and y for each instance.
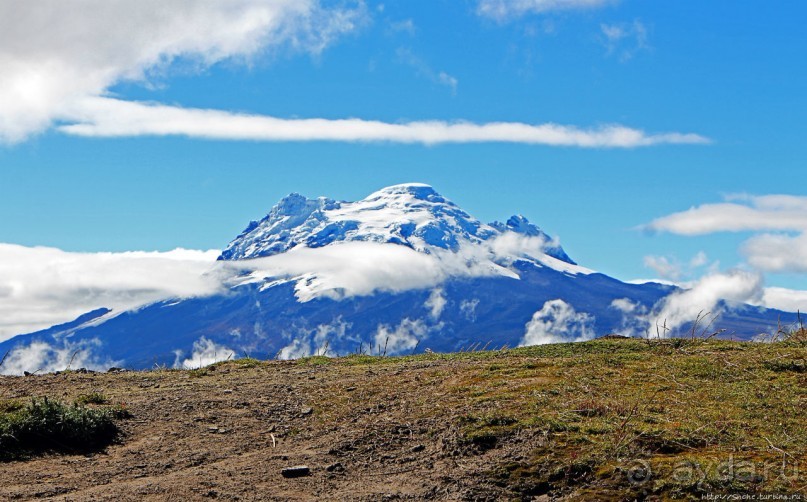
(403, 270)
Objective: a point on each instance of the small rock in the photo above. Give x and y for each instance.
(417, 448)
(336, 467)
(307, 410)
(212, 429)
(350, 389)
(115, 369)
(227, 391)
(297, 471)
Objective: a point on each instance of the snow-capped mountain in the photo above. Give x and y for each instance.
(412, 215)
(400, 271)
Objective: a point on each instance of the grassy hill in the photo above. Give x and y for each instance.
(609, 419)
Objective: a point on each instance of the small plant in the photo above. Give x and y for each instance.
(92, 398)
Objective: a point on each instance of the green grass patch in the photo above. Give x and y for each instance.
(47, 425)
(92, 398)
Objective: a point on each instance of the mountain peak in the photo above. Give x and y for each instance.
(409, 214)
(419, 191)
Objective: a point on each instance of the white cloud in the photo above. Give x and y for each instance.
(558, 322)
(297, 349)
(44, 358)
(205, 352)
(41, 286)
(55, 53)
(781, 252)
(106, 117)
(405, 25)
(672, 269)
(625, 305)
(758, 213)
(423, 69)
(634, 317)
(777, 252)
(699, 260)
(788, 300)
(468, 308)
(60, 59)
(624, 40)
(436, 302)
(347, 269)
(406, 336)
(665, 268)
(704, 298)
(502, 10)
(306, 342)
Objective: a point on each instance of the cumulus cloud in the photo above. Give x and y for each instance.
(436, 302)
(54, 54)
(204, 353)
(44, 357)
(108, 117)
(502, 10)
(41, 286)
(709, 295)
(406, 336)
(557, 322)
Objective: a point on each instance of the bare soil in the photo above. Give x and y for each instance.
(366, 432)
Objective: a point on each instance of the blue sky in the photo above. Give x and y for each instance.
(111, 122)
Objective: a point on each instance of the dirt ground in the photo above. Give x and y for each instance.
(373, 432)
(600, 420)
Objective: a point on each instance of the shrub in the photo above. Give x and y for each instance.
(48, 425)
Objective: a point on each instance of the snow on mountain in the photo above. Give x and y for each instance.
(399, 238)
(404, 268)
(412, 214)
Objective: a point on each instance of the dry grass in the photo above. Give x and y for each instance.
(609, 419)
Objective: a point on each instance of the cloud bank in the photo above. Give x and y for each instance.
(41, 286)
(107, 117)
